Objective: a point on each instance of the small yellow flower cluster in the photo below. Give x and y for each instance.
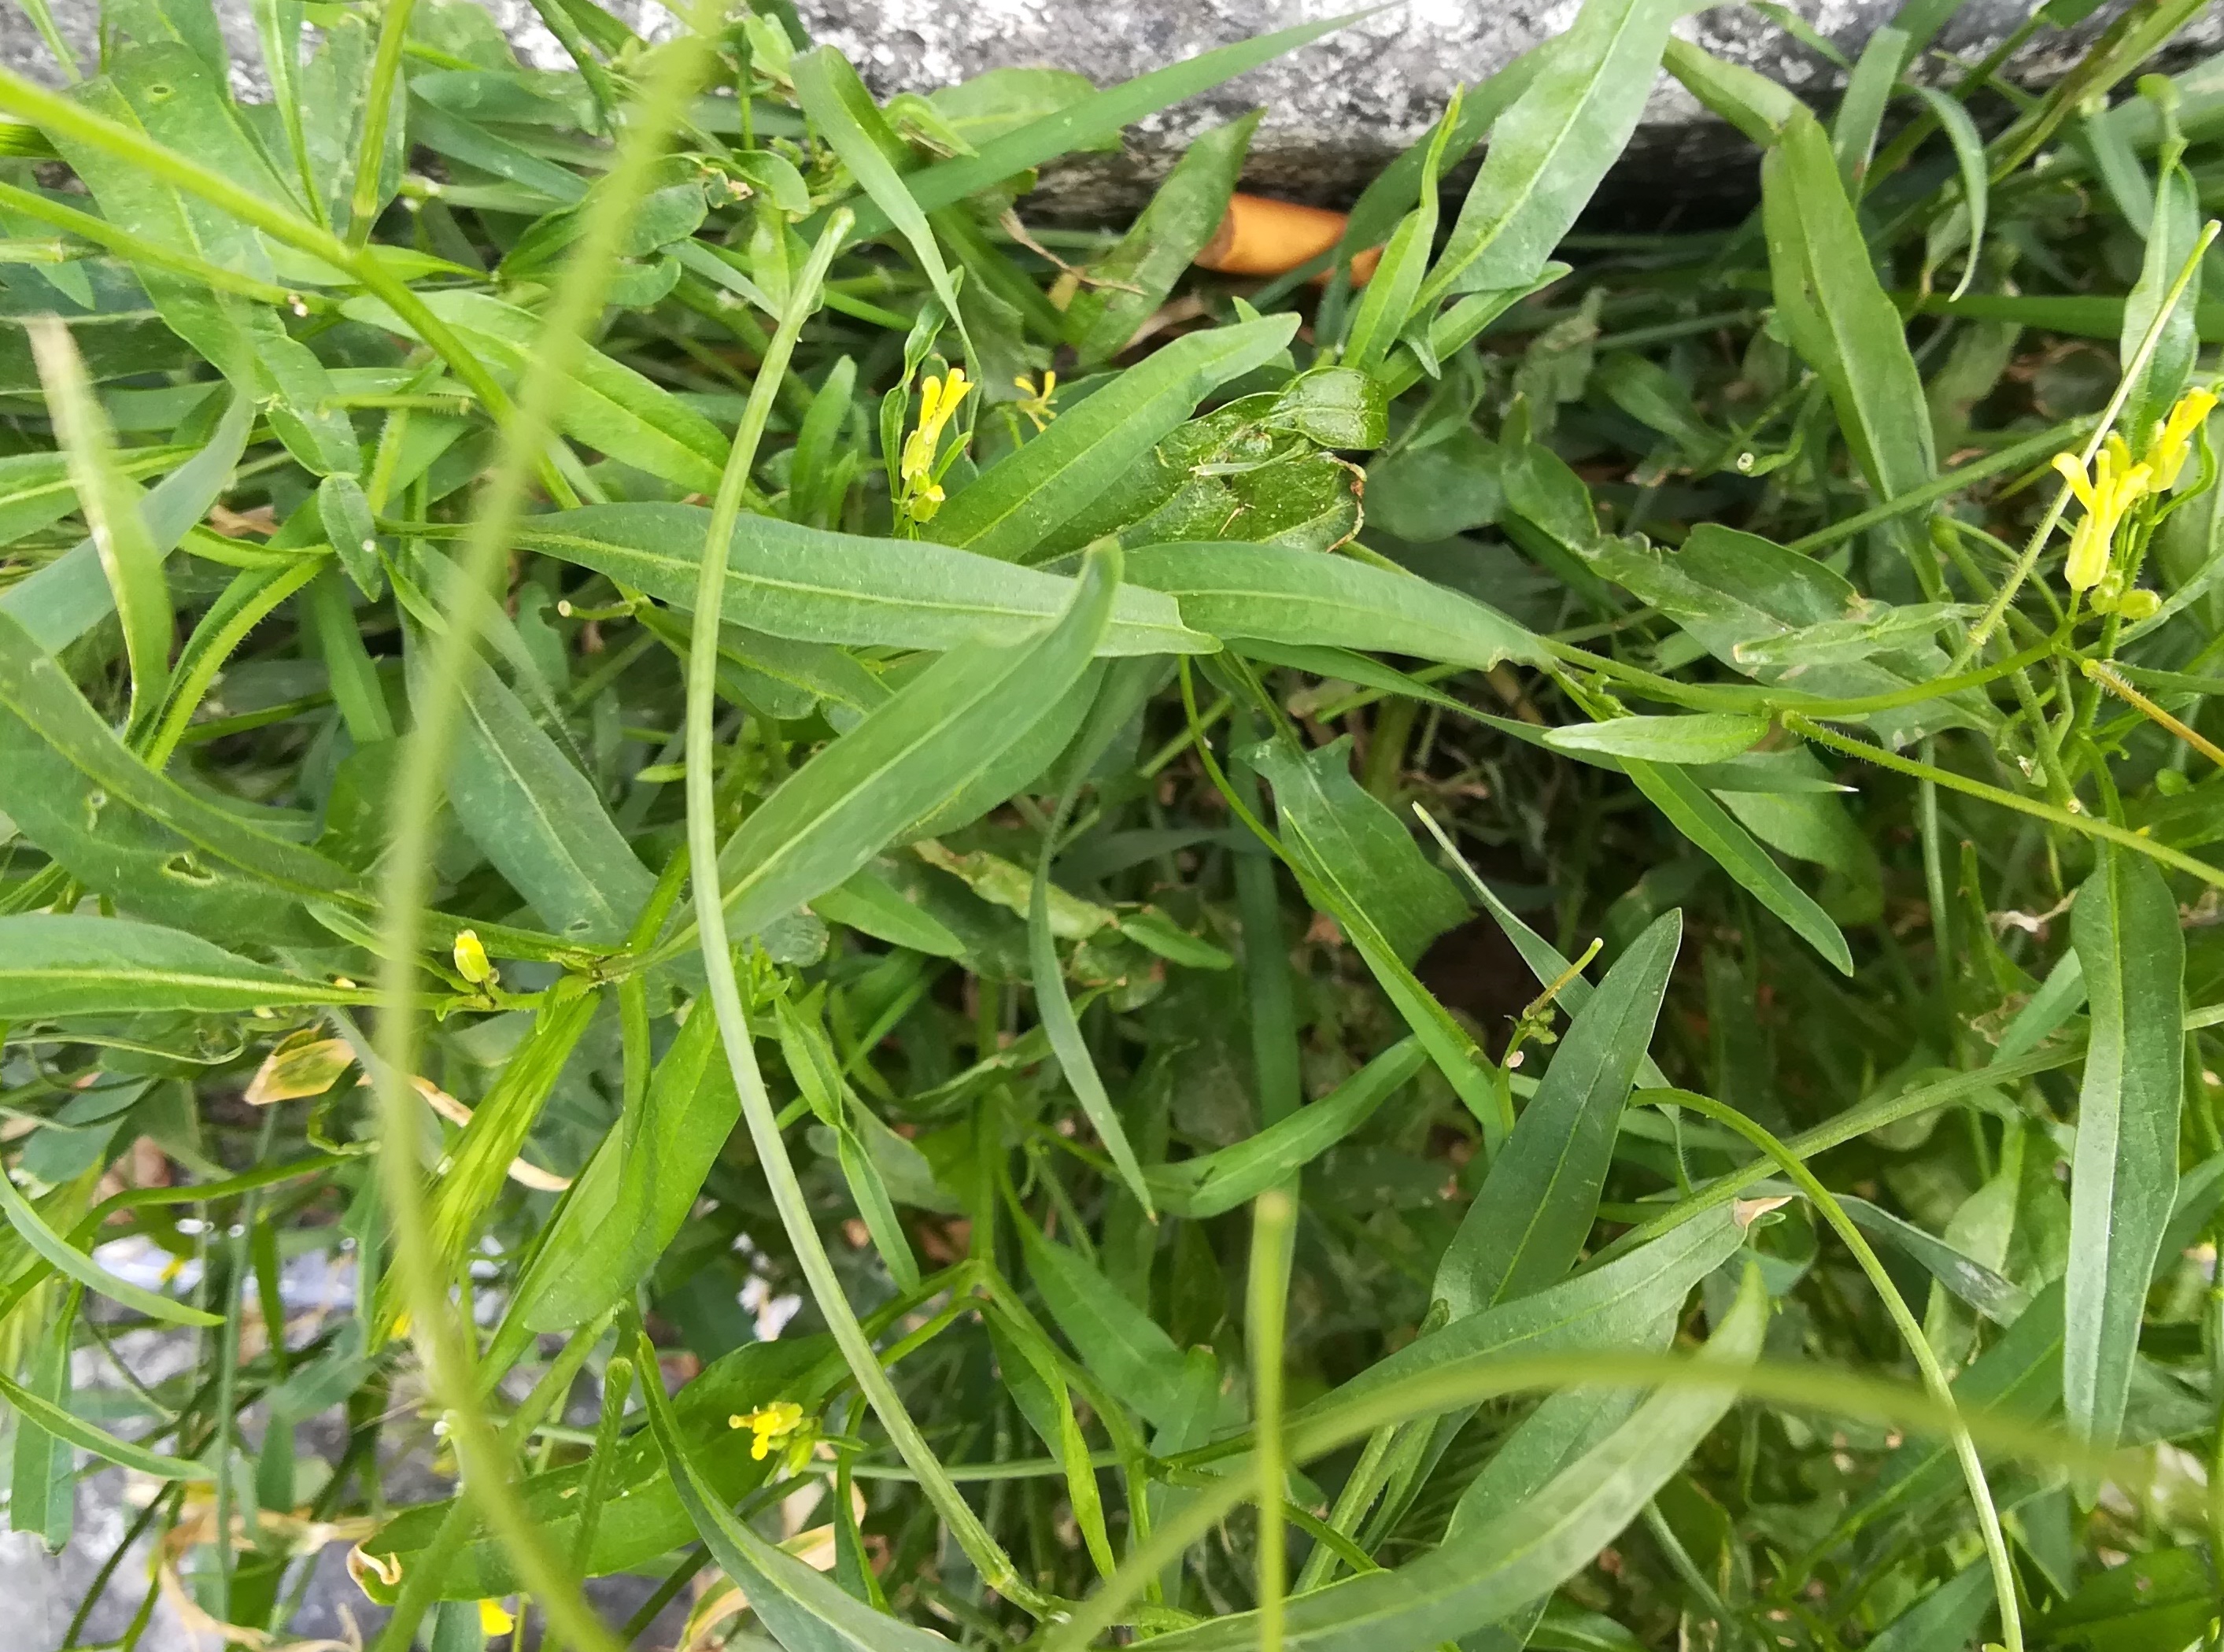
(938, 405)
(780, 1424)
(2114, 487)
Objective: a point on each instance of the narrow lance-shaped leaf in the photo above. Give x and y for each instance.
(1707, 825)
(69, 1260)
(68, 596)
(1529, 1219)
(2174, 226)
(1844, 326)
(2122, 1179)
(1276, 594)
(111, 502)
(634, 1196)
(843, 112)
(1214, 1183)
(1702, 737)
(1548, 151)
(538, 819)
(814, 585)
(949, 723)
(68, 963)
(1501, 1565)
(68, 1426)
(1089, 120)
(1127, 284)
(1625, 1301)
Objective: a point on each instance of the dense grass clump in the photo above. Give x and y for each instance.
(932, 931)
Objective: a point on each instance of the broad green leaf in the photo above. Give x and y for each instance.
(1021, 766)
(952, 721)
(2124, 1174)
(1378, 864)
(1501, 1565)
(1530, 1219)
(1122, 1347)
(631, 1200)
(1629, 1301)
(1276, 595)
(1705, 822)
(809, 585)
(1558, 1432)
(55, 775)
(1087, 122)
(1159, 247)
(1011, 507)
(1702, 736)
(65, 1425)
(64, 599)
(1551, 148)
(1843, 324)
(538, 819)
(57, 963)
(73, 1263)
(128, 554)
(1214, 1183)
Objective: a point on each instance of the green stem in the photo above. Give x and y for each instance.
(995, 1565)
(405, 881)
(2047, 442)
(2040, 535)
(2176, 859)
(1272, 1223)
(1934, 1378)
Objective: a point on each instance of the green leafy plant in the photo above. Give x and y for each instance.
(956, 936)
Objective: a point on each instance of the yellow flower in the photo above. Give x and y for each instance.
(471, 958)
(938, 405)
(2167, 453)
(2113, 488)
(1035, 404)
(771, 1424)
(495, 1618)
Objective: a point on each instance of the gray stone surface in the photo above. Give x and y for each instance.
(1335, 109)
